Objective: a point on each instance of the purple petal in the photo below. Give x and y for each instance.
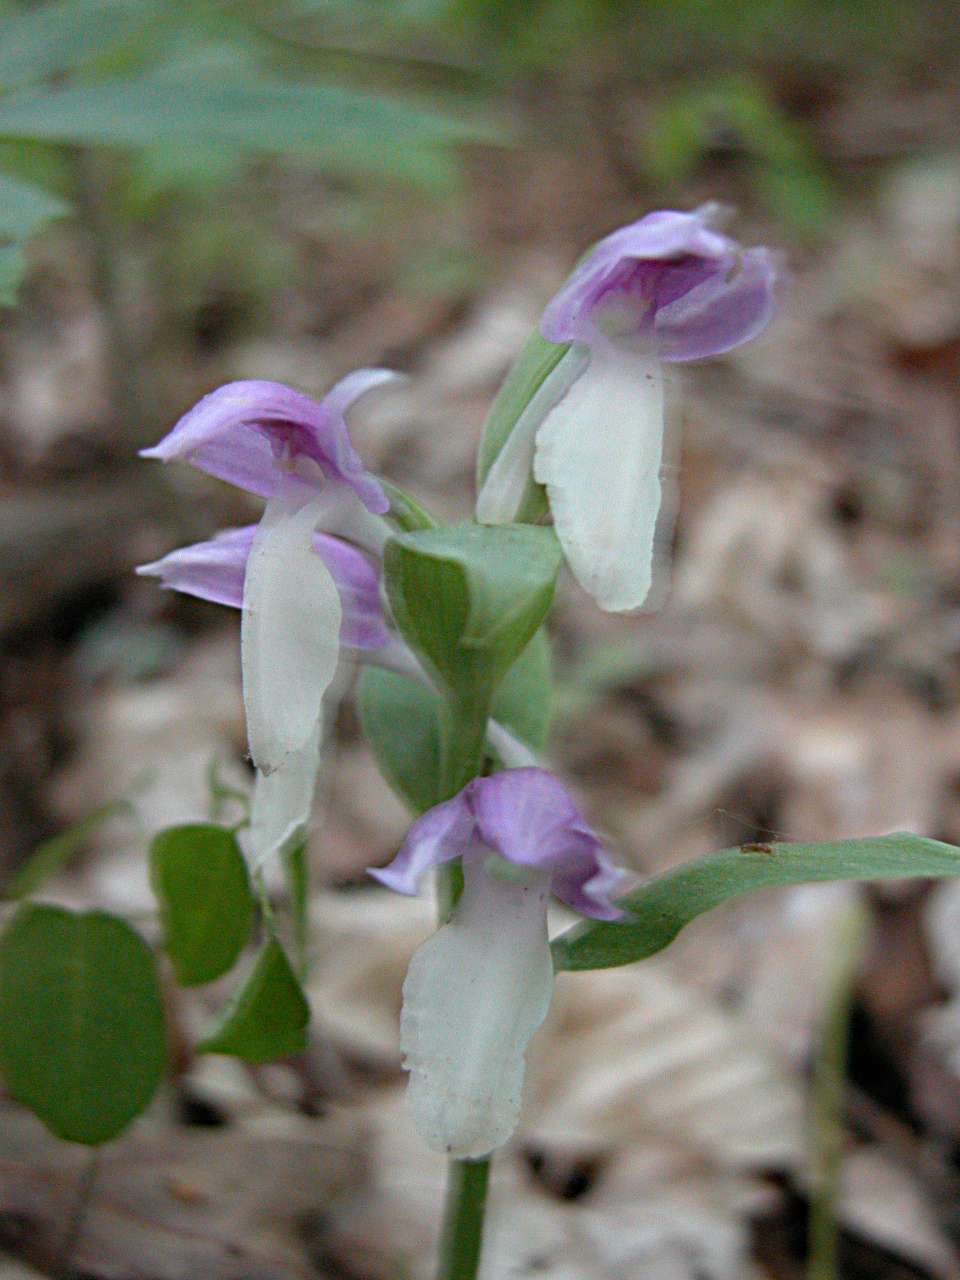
(720, 313)
(212, 570)
(530, 818)
(693, 291)
(249, 434)
(442, 834)
(216, 570)
(590, 883)
(358, 582)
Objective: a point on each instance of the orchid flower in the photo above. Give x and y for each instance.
(666, 288)
(301, 594)
(477, 991)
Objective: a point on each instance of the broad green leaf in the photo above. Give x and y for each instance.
(401, 720)
(536, 360)
(206, 904)
(81, 1021)
(344, 129)
(58, 851)
(524, 700)
(469, 598)
(46, 40)
(660, 909)
(267, 1018)
(25, 208)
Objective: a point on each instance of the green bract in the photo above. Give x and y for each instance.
(82, 1038)
(469, 598)
(537, 359)
(402, 720)
(206, 904)
(660, 909)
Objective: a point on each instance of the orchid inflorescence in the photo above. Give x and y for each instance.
(570, 462)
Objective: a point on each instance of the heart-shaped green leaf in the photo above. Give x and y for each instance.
(81, 1021)
(267, 1017)
(657, 911)
(206, 903)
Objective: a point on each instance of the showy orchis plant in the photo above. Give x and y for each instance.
(448, 624)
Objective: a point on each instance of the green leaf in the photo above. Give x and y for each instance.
(13, 268)
(267, 1018)
(25, 208)
(536, 360)
(660, 909)
(401, 720)
(206, 904)
(468, 598)
(81, 1021)
(346, 130)
(524, 700)
(57, 852)
(50, 39)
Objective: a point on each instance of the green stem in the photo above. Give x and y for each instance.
(463, 1227)
(463, 751)
(463, 741)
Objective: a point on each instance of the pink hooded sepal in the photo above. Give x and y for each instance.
(526, 816)
(216, 570)
(252, 434)
(670, 280)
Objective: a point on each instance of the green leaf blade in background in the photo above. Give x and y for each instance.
(658, 910)
(13, 268)
(52, 39)
(82, 1040)
(267, 1017)
(206, 903)
(25, 208)
(344, 129)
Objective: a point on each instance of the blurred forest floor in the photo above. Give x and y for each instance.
(801, 681)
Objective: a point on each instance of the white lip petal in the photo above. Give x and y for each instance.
(499, 500)
(474, 995)
(290, 633)
(599, 453)
(283, 803)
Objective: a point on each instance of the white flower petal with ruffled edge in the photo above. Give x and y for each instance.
(474, 996)
(283, 803)
(499, 500)
(599, 453)
(290, 632)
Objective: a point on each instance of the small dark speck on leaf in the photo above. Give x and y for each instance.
(756, 848)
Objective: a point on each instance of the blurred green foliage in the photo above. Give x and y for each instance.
(190, 96)
(195, 88)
